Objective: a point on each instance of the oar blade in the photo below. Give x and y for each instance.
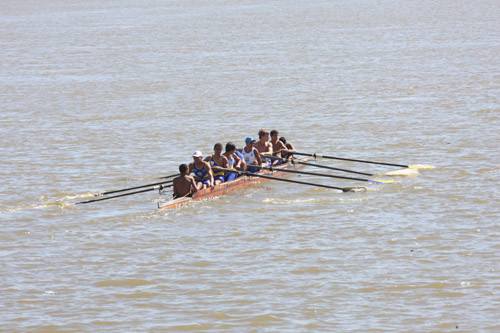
(421, 166)
(378, 181)
(354, 189)
(411, 173)
(57, 203)
(87, 195)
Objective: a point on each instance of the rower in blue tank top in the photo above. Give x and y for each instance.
(234, 160)
(202, 170)
(217, 161)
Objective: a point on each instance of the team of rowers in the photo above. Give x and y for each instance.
(209, 171)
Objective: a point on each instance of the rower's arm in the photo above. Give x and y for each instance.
(195, 186)
(237, 160)
(282, 148)
(210, 173)
(175, 188)
(257, 157)
(270, 148)
(225, 162)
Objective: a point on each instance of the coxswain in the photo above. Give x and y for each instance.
(202, 170)
(289, 149)
(184, 185)
(279, 148)
(217, 161)
(264, 147)
(234, 161)
(251, 155)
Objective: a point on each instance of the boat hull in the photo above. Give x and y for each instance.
(237, 184)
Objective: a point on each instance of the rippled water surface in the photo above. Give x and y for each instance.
(104, 95)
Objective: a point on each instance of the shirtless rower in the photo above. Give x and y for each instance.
(279, 148)
(251, 155)
(202, 170)
(263, 146)
(217, 161)
(184, 185)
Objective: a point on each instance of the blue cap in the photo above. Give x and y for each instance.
(249, 139)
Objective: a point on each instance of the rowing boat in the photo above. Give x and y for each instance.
(238, 183)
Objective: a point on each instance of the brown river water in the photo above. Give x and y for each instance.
(104, 95)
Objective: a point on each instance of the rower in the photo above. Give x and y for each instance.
(279, 148)
(251, 155)
(202, 170)
(217, 161)
(264, 147)
(289, 148)
(243, 165)
(234, 161)
(184, 185)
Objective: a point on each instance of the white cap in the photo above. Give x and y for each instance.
(197, 154)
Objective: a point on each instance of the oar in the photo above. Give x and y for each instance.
(330, 168)
(343, 189)
(319, 166)
(160, 187)
(324, 175)
(417, 166)
(169, 176)
(132, 188)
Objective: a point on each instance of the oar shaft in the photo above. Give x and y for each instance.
(294, 181)
(170, 176)
(336, 169)
(284, 180)
(311, 173)
(319, 166)
(133, 188)
(350, 159)
(122, 195)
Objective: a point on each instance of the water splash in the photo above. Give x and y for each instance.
(411, 173)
